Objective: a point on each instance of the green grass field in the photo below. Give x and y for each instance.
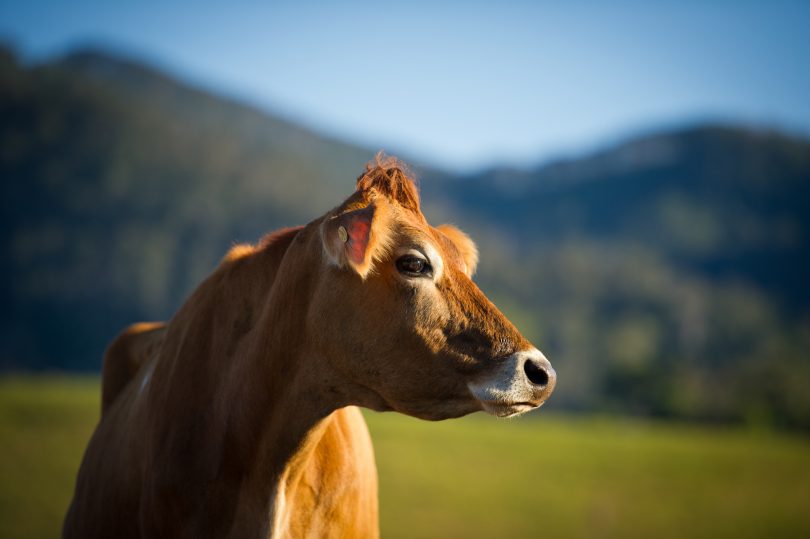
(539, 476)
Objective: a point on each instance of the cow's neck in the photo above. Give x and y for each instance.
(288, 410)
(288, 401)
(277, 435)
(269, 399)
(293, 398)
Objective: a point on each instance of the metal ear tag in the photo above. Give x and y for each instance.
(344, 236)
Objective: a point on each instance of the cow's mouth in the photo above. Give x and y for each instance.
(508, 409)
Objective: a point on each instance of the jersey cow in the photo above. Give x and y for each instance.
(238, 418)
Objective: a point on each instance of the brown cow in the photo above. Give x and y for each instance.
(237, 418)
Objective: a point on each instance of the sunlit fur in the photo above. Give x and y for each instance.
(454, 239)
(237, 417)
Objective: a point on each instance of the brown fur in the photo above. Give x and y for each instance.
(124, 357)
(460, 243)
(389, 178)
(237, 418)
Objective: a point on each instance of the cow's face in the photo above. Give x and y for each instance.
(397, 314)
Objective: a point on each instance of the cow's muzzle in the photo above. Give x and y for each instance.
(521, 382)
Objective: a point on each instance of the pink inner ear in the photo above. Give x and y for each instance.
(359, 229)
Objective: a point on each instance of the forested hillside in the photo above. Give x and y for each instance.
(665, 275)
(669, 273)
(123, 188)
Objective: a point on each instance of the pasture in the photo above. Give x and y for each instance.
(544, 475)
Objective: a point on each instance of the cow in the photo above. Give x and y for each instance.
(239, 417)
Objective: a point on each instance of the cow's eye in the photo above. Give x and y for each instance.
(414, 266)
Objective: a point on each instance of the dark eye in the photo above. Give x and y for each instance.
(414, 266)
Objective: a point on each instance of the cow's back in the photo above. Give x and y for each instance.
(125, 356)
(108, 486)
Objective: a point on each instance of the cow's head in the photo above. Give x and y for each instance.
(398, 316)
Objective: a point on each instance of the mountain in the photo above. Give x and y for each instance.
(722, 201)
(668, 272)
(664, 275)
(122, 188)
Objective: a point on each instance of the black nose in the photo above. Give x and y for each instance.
(536, 372)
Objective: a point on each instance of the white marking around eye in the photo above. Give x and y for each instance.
(428, 252)
(435, 260)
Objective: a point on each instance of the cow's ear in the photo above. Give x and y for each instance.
(465, 246)
(357, 238)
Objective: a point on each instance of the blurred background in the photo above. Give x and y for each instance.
(636, 176)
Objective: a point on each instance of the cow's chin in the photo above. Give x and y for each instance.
(445, 409)
(437, 410)
(426, 407)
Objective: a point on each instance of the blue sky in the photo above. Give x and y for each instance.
(462, 84)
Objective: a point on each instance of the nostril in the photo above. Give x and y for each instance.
(535, 373)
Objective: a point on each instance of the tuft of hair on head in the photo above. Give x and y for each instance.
(390, 177)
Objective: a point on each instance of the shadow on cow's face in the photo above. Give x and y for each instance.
(399, 317)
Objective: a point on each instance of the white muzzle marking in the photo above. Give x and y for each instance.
(509, 390)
